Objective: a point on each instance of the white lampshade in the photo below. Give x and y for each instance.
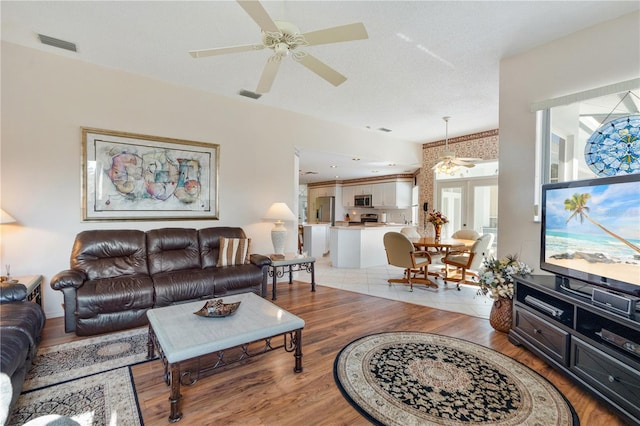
(6, 217)
(279, 212)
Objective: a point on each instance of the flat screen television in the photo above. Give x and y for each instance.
(591, 233)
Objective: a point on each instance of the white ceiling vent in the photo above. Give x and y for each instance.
(249, 94)
(56, 42)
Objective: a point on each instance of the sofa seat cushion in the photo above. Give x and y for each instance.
(26, 317)
(187, 285)
(238, 278)
(128, 292)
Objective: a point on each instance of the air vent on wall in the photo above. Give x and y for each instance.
(56, 42)
(249, 94)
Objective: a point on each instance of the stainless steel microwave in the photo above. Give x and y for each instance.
(362, 201)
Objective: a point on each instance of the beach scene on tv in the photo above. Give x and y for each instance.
(595, 229)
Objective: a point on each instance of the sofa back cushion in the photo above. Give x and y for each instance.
(209, 239)
(172, 249)
(110, 253)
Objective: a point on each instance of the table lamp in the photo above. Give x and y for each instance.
(279, 212)
(6, 218)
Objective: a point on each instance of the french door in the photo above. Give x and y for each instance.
(469, 204)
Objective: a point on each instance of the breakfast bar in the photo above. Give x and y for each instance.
(359, 246)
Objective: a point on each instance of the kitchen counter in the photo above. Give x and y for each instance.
(359, 246)
(316, 239)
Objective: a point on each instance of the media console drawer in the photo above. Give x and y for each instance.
(607, 374)
(546, 336)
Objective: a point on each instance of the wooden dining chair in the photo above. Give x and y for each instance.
(464, 264)
(402, 253)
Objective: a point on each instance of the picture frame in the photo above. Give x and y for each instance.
(129, 176)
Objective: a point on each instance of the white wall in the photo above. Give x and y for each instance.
(598, 56)
(47, 98)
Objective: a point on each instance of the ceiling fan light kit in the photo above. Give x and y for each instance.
(449, 163)
(284, 38)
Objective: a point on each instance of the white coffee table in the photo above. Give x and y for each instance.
(180, 335)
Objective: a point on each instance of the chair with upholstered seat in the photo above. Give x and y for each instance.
(464, 264)
(402, 253)
(466, 234)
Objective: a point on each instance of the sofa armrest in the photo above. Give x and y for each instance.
(12, 292)
(260, 260)
(71, 278)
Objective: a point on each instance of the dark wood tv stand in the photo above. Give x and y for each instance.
(566, 331)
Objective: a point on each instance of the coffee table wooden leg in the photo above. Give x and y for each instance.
(175, 397)
(298, 352)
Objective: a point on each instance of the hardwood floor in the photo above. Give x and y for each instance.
(265, 390)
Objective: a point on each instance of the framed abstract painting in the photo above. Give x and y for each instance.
(127, 176)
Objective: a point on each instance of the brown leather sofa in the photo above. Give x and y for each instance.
(117, 275)
(21, 324)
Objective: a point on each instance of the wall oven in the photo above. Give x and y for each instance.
(362, 201)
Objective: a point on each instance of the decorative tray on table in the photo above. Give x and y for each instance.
(217, 309)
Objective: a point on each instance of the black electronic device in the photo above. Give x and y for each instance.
(620, 341)
(425, 207)
(625, 305)
(543, 306)
(590, 233)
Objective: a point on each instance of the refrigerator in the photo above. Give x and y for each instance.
(326, 210)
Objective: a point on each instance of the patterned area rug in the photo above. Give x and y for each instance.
(88, 381)
(107, 398)
(410, 378)
(68, 361)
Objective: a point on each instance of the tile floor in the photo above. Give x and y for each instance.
(373, 281)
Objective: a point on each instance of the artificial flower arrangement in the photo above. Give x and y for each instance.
(437, 218)
(496, 276)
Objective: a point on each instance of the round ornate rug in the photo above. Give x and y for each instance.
(411, 378)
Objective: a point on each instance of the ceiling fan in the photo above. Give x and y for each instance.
(449, 163)
(284, 38)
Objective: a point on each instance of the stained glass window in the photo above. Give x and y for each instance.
(615, 147)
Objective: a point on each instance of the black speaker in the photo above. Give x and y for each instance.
(614, 302)
(425, 207)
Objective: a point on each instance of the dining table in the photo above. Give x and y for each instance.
(442, 248)
(443, 244)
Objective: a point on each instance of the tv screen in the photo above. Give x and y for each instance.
(591, 231)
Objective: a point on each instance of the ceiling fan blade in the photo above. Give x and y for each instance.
(348, 32)
(259, 15)
(224, 50)
(269, 74)
(322, 69)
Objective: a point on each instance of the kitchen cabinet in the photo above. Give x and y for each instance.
(392, 194)
(362, 189)
(348, 192)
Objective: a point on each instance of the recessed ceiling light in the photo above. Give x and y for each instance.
(355, 159)
(392, 164)
(333, 166)
(375, 171)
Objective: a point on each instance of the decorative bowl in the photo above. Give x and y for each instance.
(217, 309)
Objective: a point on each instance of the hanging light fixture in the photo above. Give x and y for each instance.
(448, 163)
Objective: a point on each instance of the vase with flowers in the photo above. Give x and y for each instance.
(437, 219)
(496, 279)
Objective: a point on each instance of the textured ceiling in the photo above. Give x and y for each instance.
(422, 60)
